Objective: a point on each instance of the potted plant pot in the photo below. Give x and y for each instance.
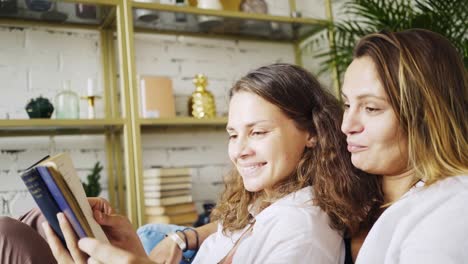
(39, 108)
(38, 5)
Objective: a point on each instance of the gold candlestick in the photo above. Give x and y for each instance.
(91, 99)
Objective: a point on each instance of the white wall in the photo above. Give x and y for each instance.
(35, 61)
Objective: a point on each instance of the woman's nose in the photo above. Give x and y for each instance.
(242, 148)
(351, 123)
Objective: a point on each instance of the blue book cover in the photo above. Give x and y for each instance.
(56, 187)
(61, 200)
(44, 199)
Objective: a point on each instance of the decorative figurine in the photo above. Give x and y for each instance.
(39, 108)
(201, 103)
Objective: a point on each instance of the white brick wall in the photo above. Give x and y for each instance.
(35, 61)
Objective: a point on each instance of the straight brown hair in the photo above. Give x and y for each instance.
(426, 83)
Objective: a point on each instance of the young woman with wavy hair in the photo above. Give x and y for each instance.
(340, 190)
(405, 97)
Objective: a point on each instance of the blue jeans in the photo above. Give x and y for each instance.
(151, 234)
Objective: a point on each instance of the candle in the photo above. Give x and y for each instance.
(90, 87)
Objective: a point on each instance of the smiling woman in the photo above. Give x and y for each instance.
(405, 97)
(264, 144)
(292, 180)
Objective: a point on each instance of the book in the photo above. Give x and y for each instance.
(170, 193)
(168, 200)
(66, 204)
(157, 99)
(189, 217)
(43, 199)
(56, 187)
(168, 180)
(166, 172)
(170, 209)
(166, 187)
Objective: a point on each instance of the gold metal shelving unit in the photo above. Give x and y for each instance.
(183, 121)
(232, 25)
(35, 127)
(113, 124)
(123, 124)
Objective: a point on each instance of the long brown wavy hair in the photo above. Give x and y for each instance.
(347, 195)
(426, 83)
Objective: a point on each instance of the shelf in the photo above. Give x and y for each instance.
(33, 127)
(65, 15)
(195, 21)
(183, 122)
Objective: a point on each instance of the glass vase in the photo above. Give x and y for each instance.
(67, 104)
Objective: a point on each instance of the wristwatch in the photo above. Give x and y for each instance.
(179, 241)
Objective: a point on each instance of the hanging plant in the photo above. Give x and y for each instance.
(446, 17)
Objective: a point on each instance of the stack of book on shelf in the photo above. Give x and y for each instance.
(168, 196)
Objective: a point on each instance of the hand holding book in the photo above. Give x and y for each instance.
(120, 232)
(98, 251)
(57, 190)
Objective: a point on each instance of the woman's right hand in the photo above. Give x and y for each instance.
(118, 228)
(167, 251)
(100, 204)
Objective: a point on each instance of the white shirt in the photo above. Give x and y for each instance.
(427, 225)
(291, 230)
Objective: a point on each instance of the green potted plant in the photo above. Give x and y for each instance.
(447, 17)
(93, 187)
(39, 107)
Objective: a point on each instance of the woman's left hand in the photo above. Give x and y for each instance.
(98, 252)
(74, 255)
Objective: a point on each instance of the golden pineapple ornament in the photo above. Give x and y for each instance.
(201, 103)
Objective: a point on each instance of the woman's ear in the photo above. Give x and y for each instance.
(311, 141)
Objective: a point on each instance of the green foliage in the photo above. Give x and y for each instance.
(93, 187)
(446, 17)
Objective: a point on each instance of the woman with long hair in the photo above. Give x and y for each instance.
(405, 97)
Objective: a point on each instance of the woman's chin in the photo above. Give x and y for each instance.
(253, 187)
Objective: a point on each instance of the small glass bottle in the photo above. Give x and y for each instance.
(67, 103)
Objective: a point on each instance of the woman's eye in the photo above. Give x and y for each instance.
(371, 109)
(346, 106)
(232, 137)
(258, 133)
